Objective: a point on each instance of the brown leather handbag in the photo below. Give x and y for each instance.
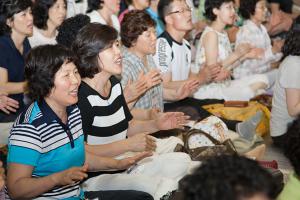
(205, 152)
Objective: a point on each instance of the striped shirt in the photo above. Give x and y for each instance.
(132, 67)
(40, 139)
(105, 119)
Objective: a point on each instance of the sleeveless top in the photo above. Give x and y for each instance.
(224, 50)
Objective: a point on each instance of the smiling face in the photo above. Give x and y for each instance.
(180, 16)
(57, 13)
(66, 84)
(146, 42)
(226, 13)
(260, 12)
(110, 60)
(22, 23)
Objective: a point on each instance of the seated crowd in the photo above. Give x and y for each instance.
(96, 99)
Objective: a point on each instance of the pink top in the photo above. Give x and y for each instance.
(121, 16)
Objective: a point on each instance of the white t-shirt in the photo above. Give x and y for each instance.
(96, 17)
(38, 38)
(288, 77)
(173, 57)
(74, 8)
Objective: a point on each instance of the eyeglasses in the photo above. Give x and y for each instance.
(180, 11)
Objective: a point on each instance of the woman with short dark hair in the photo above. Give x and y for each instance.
(104, 12)
(47, 157)
(229, 177)
(286, 96)
(139, 37)
(254, 32)
(16, 24)
(48, 16)
(108, 125)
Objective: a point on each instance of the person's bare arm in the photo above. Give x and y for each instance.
(21, 184)
(293, 101)
(97, 163)
(7, 104)
(11, 87)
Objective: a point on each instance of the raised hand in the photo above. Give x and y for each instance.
(153, 78)
(142, 142)
(7, 104)
(208, 73)
(171, 120)
(186, 89)
(243, 49)
(133, 91)
(223, 75)
(70, 176)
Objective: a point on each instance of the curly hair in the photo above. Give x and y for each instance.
(8, 8)
(90, 40)
(292, 145)
(42, 63)
(210, 5)
(292, 42)
(133, 25)
(247, 8)
(68, 30)
(40, 12)
(163, 8)
(227, 177)
(94, 5)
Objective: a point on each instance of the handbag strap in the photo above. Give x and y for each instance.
(192, 132)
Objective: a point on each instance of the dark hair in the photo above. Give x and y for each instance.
(90, 40)
(292, 145)
(42, 63)
(292, 42)
(128, 2)
(94, 5)
(8, 8)
(227, 177)
(163, 8)
(68, 30)
(210, 5)
(134, 24)
(247, 8)
(40, 12)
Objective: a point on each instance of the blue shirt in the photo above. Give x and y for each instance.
(39, 139)
(160, 27)
(13, 61)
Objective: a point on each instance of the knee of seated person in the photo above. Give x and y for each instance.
(183, 157)
(258, 86)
